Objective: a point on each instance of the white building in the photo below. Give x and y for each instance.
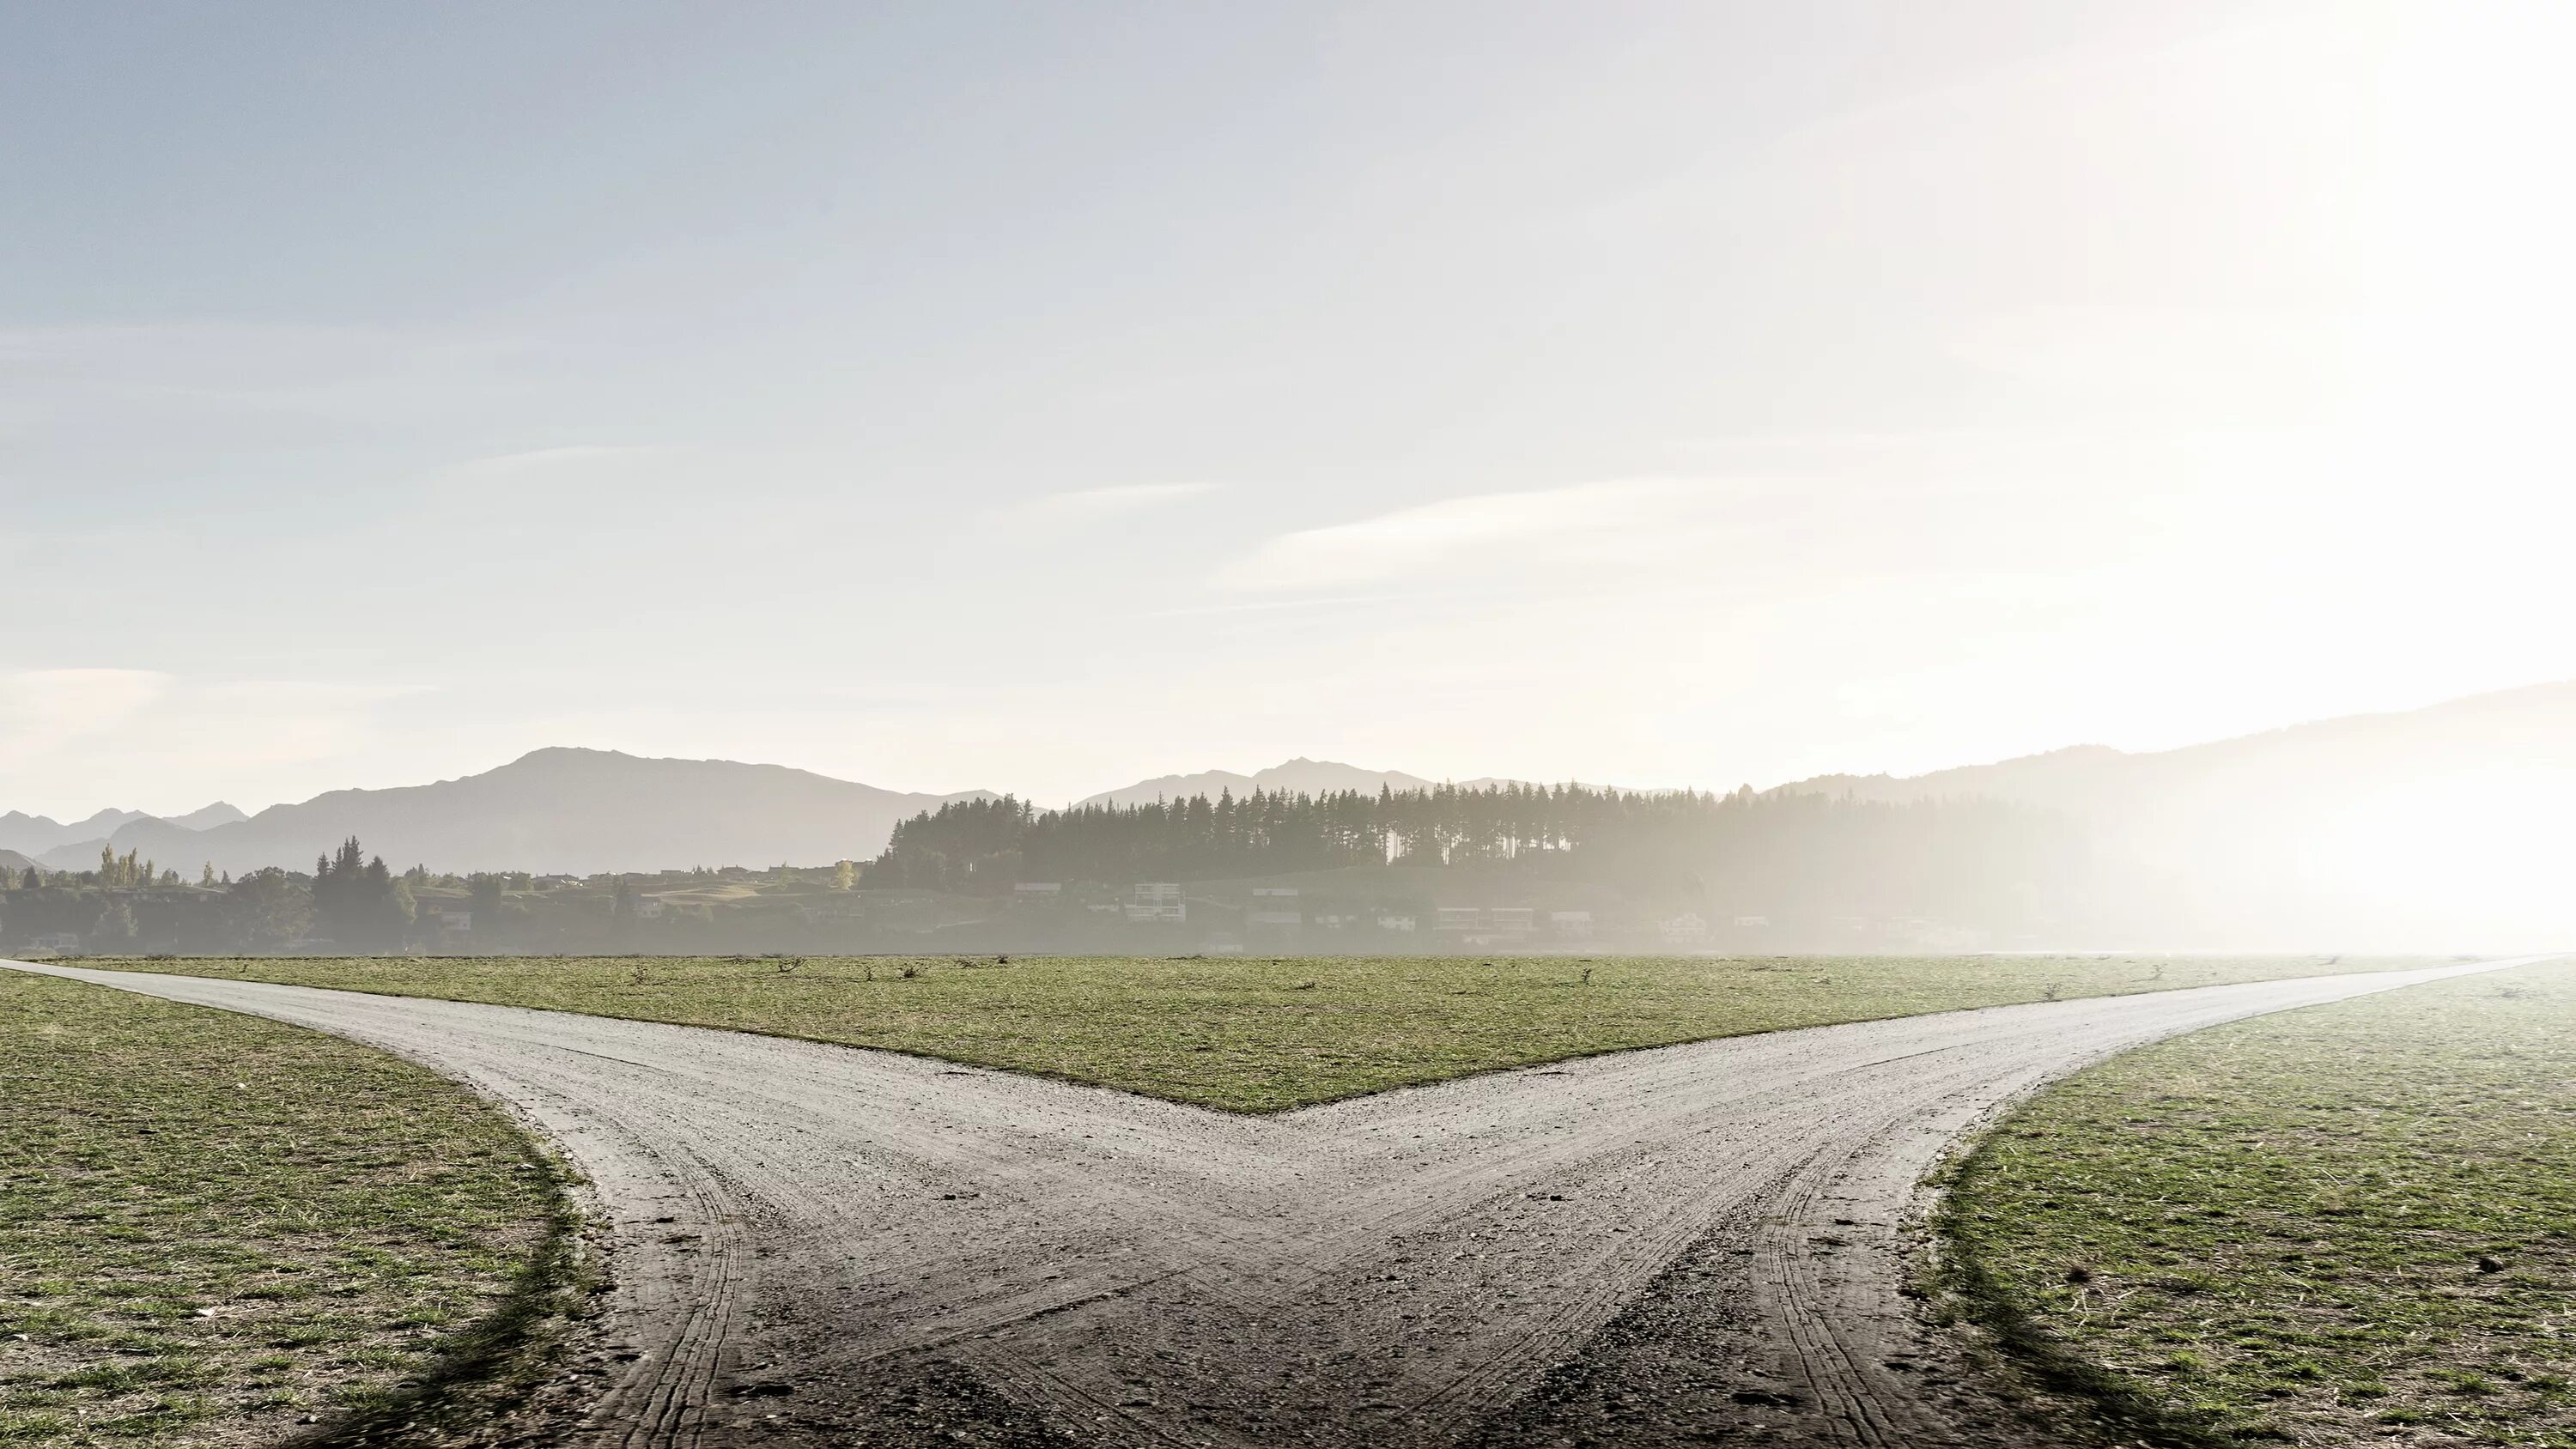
(1157, 901)
(1572, 925)
(1687, 929)
(1488, 925)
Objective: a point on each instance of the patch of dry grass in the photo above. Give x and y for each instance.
(2351, 1224)
(215, 1228)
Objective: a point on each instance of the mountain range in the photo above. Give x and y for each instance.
(2510, 750)
(2438, 779)
(35, 834)
(568, 810)
(2426, 823)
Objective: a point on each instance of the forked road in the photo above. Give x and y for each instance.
(818, 1244)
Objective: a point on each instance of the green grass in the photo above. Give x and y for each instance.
(2350, 1224)
(214, 1228)
(1260, 1035)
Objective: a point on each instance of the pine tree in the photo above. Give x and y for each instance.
(355, 900)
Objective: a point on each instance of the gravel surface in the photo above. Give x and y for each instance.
(815, 1244)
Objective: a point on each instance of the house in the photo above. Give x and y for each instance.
(1275, 892)
(1753, 923)
(1395, 923)
(1157, 901)
(447, 917)
(61, 943)
(1037, 893)
(1570, 925)
(1487, 926)
(1687, 929)
(1273, 922)
(649, 908)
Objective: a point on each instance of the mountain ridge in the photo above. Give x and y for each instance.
(578, 810)
(2077, 777)
(559, 809)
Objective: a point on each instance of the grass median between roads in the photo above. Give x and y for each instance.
(215, 1229)
(2348, 1224)
(1261, 1034)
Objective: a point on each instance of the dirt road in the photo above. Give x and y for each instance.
(823, 1245)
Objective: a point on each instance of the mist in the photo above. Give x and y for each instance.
(2437, 830)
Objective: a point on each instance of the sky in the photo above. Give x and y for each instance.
(1041, 398)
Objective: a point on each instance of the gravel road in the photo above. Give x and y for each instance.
(815, 1244)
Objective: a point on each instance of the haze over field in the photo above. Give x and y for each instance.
(2411, 829)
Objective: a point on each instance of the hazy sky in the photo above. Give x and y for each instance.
(1042, 397)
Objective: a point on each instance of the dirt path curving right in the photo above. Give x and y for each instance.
(817, 1244)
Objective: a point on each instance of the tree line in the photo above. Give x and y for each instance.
(1731, 851)
(352, 901)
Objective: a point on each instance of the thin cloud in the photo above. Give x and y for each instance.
(534, 459)
(1272, 605)
(43, 709)
(1083, 503)
(1590, 523)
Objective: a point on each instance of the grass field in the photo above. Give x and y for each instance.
(214, 1229)
(1260, 1035)
(2344, 1225)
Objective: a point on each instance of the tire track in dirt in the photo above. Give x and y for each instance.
(818, 1244)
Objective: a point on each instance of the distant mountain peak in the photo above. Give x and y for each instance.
(553, 754)
(222, 812)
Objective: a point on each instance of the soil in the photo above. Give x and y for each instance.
(1705, 1243)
